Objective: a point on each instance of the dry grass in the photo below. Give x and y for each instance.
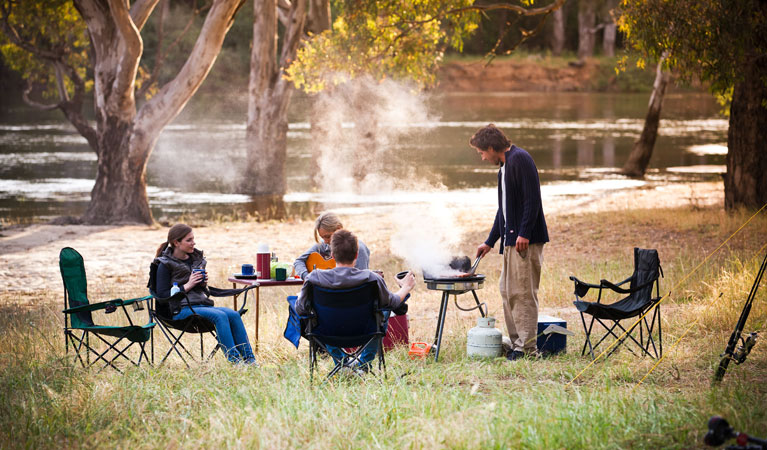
(47, 401)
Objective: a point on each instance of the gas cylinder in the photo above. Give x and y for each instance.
(484, 340)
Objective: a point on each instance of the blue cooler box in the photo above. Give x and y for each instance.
(556, 340)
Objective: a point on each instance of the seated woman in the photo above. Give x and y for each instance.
(324, 227)
(177, 260)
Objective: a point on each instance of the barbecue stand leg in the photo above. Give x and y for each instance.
(441, 324)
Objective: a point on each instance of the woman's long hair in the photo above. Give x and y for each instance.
(327, 221)
(176, 233)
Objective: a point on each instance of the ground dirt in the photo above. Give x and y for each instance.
(29, 254)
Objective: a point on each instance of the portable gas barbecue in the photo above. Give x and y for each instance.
(453, 285)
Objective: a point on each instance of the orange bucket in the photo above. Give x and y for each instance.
(419, 350)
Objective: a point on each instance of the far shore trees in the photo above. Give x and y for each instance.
(124, 134)
(725, 44)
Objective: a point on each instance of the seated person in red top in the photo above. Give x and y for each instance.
(344, 248)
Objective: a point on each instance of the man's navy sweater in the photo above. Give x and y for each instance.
(523, 202)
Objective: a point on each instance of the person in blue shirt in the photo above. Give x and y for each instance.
(521, 227)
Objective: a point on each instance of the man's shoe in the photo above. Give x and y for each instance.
(515, 355)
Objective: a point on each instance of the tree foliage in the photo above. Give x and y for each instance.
(710, 39)
(37, 37)
(396, 39)
(382, 38)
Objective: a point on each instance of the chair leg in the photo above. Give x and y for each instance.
(173, 340)
(312, 360)
(381, 357)
(76, 348)
(587, 330)
(660, 333)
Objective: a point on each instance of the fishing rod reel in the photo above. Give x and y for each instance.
(739, 354)
(744, 348)
(719, 431)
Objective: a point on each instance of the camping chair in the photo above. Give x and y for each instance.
(194, 324)
(78, 321)
(639, 301)
(346, 318)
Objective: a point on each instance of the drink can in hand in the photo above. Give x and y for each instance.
(202, 271)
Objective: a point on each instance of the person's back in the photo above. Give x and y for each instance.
(344, 248)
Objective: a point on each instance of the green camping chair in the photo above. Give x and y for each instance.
(78, 322)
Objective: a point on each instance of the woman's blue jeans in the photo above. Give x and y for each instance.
(229, 329)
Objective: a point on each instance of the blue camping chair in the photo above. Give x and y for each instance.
(345, 318)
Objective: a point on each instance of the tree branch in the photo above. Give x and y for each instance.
(125, 78)
(283, 12)
(161, 54)
(165, 106)
(28, 100)
(294, 30)
(492, 7)
(141, 10)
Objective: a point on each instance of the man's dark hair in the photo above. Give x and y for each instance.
(343, 246)
(490, 137)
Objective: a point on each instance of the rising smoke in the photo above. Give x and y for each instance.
(356, 128)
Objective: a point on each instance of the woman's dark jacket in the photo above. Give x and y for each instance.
(180, 271)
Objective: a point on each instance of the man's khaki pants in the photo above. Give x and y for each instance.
(520, 278)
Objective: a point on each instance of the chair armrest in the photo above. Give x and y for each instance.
(164, 300)
(131, 301)
(95, 306)
(582, 288)
(216, 292)
(616, 288)
(577, 281)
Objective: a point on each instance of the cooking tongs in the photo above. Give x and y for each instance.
(474, 266)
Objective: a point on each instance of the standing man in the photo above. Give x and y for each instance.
(520, 225)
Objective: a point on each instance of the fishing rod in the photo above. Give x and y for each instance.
(719, 432)
(735, 352)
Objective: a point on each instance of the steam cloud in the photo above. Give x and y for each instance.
(355, 128)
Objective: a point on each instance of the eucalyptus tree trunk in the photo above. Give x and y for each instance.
(745, 183)
(587, 18)
(610, 14)
(557, 37)
(318, 19)
(269, 95)
(641, 152)
(125, 136)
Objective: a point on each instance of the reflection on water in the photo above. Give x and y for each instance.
(576, 139)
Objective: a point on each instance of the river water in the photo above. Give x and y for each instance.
(576, 139)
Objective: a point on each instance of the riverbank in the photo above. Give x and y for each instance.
(523, 72)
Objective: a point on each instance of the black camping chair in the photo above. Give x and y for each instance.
(639, 301)
(345, 318)
(195, 323)
(78, 320)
